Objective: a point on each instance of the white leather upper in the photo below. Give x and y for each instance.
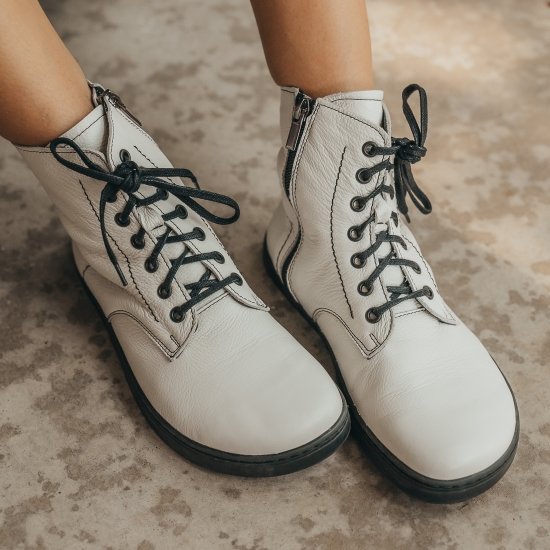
(421, 381)
(228, 376)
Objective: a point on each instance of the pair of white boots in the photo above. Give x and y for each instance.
(216, 376)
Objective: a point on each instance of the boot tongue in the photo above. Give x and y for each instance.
(366, 105)
(91, 132)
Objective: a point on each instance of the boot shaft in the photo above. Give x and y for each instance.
(106, 136)
(330, 215)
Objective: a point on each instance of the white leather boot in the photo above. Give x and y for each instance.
(214, 374)
(430, 405)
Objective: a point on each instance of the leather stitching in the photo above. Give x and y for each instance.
(210, 266)
(357, 119)
(404, 314)
(147, 158)
(296, 168)
(378, 176)
(213, 302)
(88, 127)
(165, 349)
(120, 250)
(332, 232)
(353, 99)
(93, 153)
(364, 351)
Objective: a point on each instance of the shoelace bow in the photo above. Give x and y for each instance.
(405, 152)
(129, 177)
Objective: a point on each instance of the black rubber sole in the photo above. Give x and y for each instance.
(220, 461)
(415, 484)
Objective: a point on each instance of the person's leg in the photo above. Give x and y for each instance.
(431, 406)
(317, 46)
(44, 91)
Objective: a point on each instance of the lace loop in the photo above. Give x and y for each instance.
(409, 152)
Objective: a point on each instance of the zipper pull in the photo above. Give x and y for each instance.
(114, 99)
(302, 108)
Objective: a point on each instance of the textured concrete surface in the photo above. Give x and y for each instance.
(79, 468)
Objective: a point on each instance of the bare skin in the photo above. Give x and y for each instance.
(316, 45)
(320, 46)
(44, 91)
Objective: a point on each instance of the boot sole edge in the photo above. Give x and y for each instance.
(413, 483)
(224, 462)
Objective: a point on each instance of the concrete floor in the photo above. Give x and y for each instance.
(79, 468)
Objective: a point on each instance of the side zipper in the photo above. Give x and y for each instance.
(104, 94)
(303, 107)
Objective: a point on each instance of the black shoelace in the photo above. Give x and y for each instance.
(129, 177)
(405, 152)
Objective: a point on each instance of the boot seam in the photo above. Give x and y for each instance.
(119, 249)
(332, 232)
(355, 118)
(363, 350)
(90, 125)
(165, 349)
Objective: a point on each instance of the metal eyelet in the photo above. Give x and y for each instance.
(151, 265)
(124, 155)
(364, 289)
(202, 234)
(238, 280)
(220, 258)
(354, 234)
(357, 261)
(416, 269)
(429, 293)
(357, 204)
(164, 195)
(367, 148)
(137, 242)
(123, 222)
(360, 173)
(164, 291)
(176, 315)
(182, 212)
(372, 316)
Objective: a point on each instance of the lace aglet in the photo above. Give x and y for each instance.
(121, 275)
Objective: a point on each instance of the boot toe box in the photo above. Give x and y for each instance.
(242, 384)
(442, 406)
